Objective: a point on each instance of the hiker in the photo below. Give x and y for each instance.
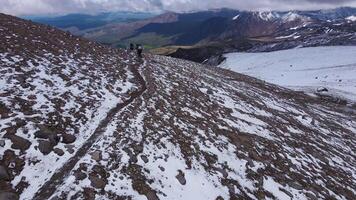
(139, 49)
(132, 47)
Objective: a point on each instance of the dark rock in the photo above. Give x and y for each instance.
(2, 143)
(54, 139)
(322, 89)
(68, 139)
(250, 162)
(210, 91)
(79, 175)
(161, 168)
(41, 135)
(144, 158)
(311, 196)
(45, 132)
(181, 178)
(97, 182)
(70, 148)
(296, 185)
(8, 196)
(58, 151)
(45, 146)
(3, 174)
(223, 172)
(96, 155)
(19, 142)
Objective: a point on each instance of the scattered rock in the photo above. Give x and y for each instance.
(45, 132)
(223, 172)
(296, 185)
(58, 151)
(45, 147)
(210, 91)
(54, 139)
(8, 196)
(68, 139)
(70, 148)
(250, 163)
(97, 182)
(96, 155)
(311, 196)
(322, 89)
(2, 143)
(19, 142)
(144, 158)
(181, 178)
(79, 175)
(41, 135)
(3, 174)
(161, 168)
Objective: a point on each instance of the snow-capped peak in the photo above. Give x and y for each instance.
(292, 16)
(351, 18)
(268, 16)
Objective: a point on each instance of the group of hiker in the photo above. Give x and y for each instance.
(139, 49)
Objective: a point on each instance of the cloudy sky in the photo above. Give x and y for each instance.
(33, 7)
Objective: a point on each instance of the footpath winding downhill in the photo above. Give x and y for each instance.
(46, 191)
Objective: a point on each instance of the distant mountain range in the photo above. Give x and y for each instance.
(205, 35)
(79, 22)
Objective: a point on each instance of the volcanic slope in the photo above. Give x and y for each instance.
(176, 130)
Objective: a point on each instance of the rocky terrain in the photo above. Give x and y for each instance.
(82, 121)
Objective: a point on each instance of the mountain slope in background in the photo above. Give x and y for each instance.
(79, 22)
(81, 121)
(220, 31)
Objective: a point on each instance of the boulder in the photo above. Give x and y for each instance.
(45, 147)
(8, 196)
(68, 139)
(70, 148)
(181, 177)
(54, 139)
(44, 132)
(19, 142)
(144, 158)
(58, 151)
(97, 182)
(96, 156)
(3, 174)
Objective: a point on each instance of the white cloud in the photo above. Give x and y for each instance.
(27, 7)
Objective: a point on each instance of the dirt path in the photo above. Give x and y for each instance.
(46, 191)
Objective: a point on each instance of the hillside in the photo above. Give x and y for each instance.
(306, 69)
(82, 121)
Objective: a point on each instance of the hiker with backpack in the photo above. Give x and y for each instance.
(132, 47)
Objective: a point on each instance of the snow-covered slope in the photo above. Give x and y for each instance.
(55, 89)
(205, 133)
(175, 129)
(306, 68)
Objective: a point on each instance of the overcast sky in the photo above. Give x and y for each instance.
(57, 7)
